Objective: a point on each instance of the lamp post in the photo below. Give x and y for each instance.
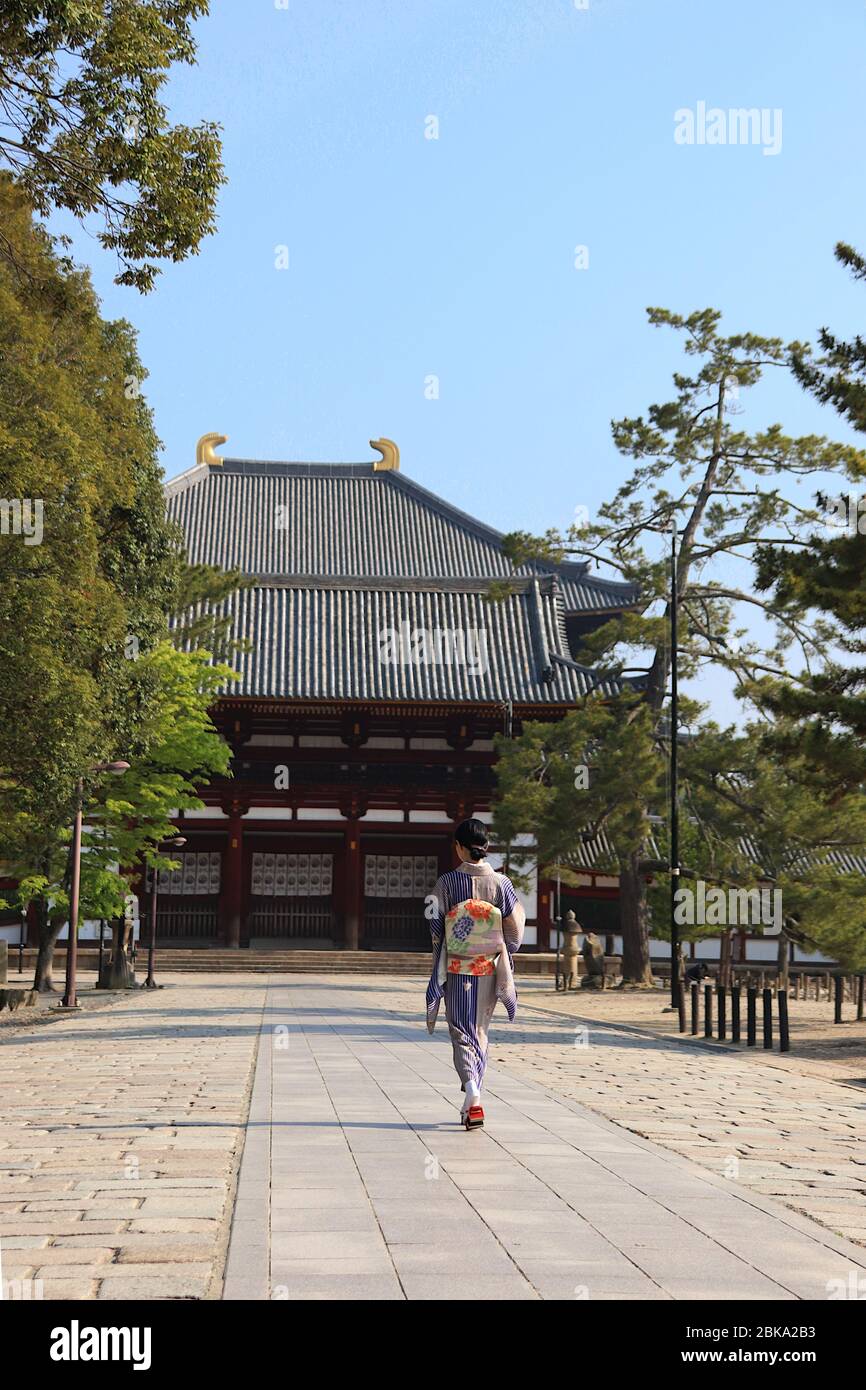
(150, 982)
(70, 998)
(675, 812)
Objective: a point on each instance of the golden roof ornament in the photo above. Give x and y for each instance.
(204, 449)
(390, 455)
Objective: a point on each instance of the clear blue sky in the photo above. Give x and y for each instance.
(410, 257)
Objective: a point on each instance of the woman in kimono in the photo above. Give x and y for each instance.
(477, 924)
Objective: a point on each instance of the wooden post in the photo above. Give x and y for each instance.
(544, 913)
(735, 1013)
(784, 1034)
(233, 887)
(352, 894)
(767, 995)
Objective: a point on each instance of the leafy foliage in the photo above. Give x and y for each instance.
(722, 488)
(82, 126)
(88, 672)
(822, 717)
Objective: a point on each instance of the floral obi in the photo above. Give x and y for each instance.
(473, 938)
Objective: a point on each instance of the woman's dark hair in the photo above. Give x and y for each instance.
(472, 835)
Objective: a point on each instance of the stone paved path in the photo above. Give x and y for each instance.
(357, 1181)
(766, 1125)
(121, 1131)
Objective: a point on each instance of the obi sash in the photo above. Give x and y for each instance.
(472, 944)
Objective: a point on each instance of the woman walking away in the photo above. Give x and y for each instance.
(477, 924)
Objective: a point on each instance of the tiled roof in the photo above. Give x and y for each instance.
(344, 556)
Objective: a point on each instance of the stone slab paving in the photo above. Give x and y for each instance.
(819, 1047)
(120, 1131)
(363, 1185)
(768, 1125)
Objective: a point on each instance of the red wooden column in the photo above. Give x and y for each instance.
(544, 911)
(233, 880)
(352, 885)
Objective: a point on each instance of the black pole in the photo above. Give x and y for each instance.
(837, 998)
(768, 1017)
(150, 982)
(735, 1013)
(720, 996)
(696, 997)
(751, 1016)
(708, 1011)
(784, 1034)
(676, 987)
(861, 979)
(70, 998)
(682, 1009)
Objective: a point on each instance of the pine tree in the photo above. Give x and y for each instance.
(823, 714)
(722, 487)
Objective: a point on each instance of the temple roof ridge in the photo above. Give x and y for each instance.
(362, 524)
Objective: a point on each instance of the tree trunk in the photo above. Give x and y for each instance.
(725, 953)
(783, 960)
(48, 933)
(634, 919)
(117, 969)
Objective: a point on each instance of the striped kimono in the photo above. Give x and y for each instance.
(471, 999)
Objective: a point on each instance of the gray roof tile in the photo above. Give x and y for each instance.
(344, 555)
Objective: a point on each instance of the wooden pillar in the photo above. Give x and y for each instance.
(543, 913)
(233, 883)
(352, 885)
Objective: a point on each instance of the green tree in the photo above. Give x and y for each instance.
(83, 126)
(84, 594)
(822, 716)
(589, 781)
(722, 487)
(201, 615)
(87, 581)
(757, 817)
(127, 818)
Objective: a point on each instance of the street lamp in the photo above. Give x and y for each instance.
(676, 984)
(150, 982)
(70, 998)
